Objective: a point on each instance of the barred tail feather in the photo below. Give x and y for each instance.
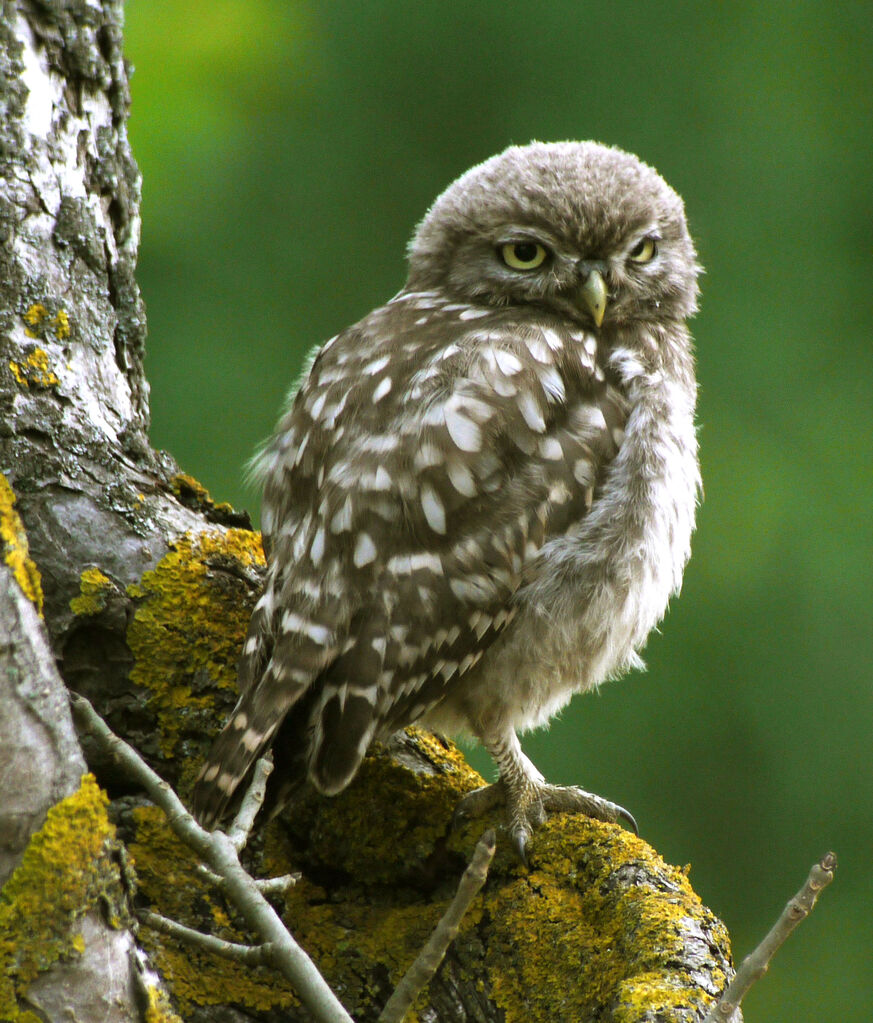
(248, 732)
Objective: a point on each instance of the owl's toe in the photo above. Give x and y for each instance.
(571, 799)
(479, 802)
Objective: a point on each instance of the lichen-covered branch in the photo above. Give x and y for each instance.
(217, 849)
(755, 965)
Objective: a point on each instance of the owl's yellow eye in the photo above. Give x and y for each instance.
(644, 251)
(523, 255)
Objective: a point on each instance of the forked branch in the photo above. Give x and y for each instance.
(220, 854)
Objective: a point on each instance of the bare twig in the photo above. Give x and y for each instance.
(252, 802)
(220, 854)
(755, 964)
(252, 955)
(430, 957)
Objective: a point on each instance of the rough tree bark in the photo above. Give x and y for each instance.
(124, 581)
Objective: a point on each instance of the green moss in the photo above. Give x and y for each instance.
(189, 625)
(94, 588)
(15, 551)
(69, 867)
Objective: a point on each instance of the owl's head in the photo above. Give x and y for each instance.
(581, 229)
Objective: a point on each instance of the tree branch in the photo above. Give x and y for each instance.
(428, 960)
(755, 965)
(221, 855)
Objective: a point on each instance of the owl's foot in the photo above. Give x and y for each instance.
(528, 807)
(528, 798)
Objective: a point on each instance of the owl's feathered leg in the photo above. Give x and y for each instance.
(528, 797)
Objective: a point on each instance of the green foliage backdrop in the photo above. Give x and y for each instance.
(288, 149)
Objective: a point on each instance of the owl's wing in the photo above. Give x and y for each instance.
(427, 458)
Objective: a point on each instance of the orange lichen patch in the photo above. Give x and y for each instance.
(14, 547)
(69, 868)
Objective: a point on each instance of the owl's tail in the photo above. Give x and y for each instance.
(247, 734)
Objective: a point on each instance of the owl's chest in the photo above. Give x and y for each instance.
(596, 591)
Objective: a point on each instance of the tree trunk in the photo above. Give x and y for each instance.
(144, 586)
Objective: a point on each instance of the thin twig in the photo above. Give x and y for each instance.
(429, 958)
(239, 831)
(755, 964)
(266, 886)
(219, 853)
(251, 955)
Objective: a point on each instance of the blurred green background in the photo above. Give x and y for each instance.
(289, 148)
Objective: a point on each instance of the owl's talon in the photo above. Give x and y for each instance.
(519, 837)
(629, 819)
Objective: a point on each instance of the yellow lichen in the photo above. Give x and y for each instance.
(34, 371)
(15, 551)
(158, 1009)
(168, 878)
(68, 868)
(94, 589)
(189, 489)
(618, 940)
(40, 322)
(189, 625)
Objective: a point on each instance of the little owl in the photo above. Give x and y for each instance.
(482, 494)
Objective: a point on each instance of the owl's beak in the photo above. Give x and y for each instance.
(594, 295)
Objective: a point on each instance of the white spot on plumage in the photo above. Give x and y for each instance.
(365, 550)
(342, 520)
(252, 739)
(384, 386)
(465, 433)
(433, 508)
(426, 456)
(316, 551)
(530, 411)
(445, 353)
(318, 633)
(583, 471)
(550, 448)
(473, 314)
(472, 589)
(507, 363)
(379, 443)
(406, 564)
(552, 384)
(539, 350)
(461, 478)
(552, 339)
(374, 367)
(317, 405)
